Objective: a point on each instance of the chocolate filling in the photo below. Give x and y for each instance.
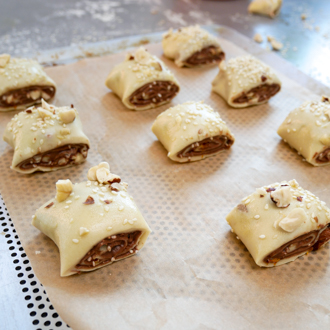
(110, 249)
(323, 157)
(207, 55)
(207, 146)
(308, 242)
(26, 95)
(263, 93)
(62, 156)
(154, 93)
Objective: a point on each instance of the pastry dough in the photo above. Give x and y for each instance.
(192, 131)
(269, 8)
(245, 81)
(280, 222)
(97, 224)
(142, 81)
(46, 138)
(192, 46)
(307, 129)
(23, 83)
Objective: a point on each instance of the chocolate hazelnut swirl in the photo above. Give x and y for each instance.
(207, 146)
(58, 157)
(207, 55)
(311, 241)
(154, 93)
(26, 95)
(323, 156)
(112, 248)
(262, 92)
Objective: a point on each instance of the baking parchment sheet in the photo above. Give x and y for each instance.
(193, 273)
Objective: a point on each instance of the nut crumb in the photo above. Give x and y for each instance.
(242, 208)
(49, 205)
(258, 38)
(89, 200)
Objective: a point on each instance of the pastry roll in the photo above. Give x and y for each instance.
(192, 46)
(46, 138)
(280, 222)
(306, 129)
(23, 83)
(143, 81)
(192, 131)
(93, 223)
(245, 81)
(269, 8)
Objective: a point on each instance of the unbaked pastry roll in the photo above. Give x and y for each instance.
(306, 129)
(269, 8)
(23, 83)
(192, 46)
(192, 131)
(46, 138)
(93, 223)
(244, 81)
(142, 81)
(280, 222)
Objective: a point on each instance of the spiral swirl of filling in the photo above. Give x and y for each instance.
(311, 241)
(26, 95)
(154, 93)
(262, 93)
(207, 55)
(323, 157)
(110, 249)
(70, 154)
(207, 146)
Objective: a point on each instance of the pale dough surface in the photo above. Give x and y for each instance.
(187, 123)
(62, 221)
(29, 134)
(20, 73)
(183, 43)
(241, 74)
(128, 76)
(307, 129)
(258, 226)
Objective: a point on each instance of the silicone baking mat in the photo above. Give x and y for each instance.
(193, 273)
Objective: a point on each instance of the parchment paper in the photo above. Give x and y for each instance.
(193, 273)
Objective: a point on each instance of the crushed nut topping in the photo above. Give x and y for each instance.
(281, 197)
(242, 208)
(106, 201)
(49, 205)
(293, 220)
(270, 189)
(89, 200)
(299, 198)
(63, 189)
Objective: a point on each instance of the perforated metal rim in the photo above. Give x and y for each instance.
(43, 314)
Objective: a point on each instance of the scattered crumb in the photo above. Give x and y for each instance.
(270, 38)
(154, 11)
(303, 16)
(276, 44)
(3, 233)
(317, 28)
(258, 38)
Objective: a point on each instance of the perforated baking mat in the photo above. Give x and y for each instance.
(193, 273)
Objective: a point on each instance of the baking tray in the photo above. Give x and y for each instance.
(41, 312)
